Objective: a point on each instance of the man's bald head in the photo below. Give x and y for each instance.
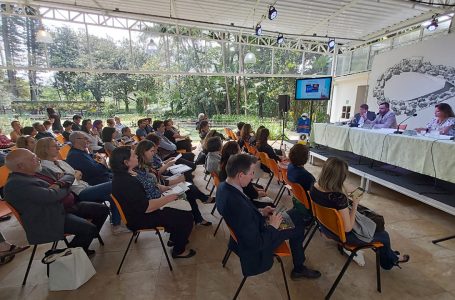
(23, 161)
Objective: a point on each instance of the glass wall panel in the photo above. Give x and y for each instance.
(359, 61)
(317, 64)
(263, 63)
(287, 61)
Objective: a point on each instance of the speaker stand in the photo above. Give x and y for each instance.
(283, 136)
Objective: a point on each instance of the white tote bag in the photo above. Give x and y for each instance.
(71, 271)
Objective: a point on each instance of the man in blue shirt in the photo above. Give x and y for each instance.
(141, 133)
(304, 124)
(93, 172)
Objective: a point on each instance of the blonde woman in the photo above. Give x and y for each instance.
(329, 192)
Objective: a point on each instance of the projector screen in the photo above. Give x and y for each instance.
(313, 88)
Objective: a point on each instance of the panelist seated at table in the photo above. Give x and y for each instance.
(385, 117)
(364, 114)
(443, 121)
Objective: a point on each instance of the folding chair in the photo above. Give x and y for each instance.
(282, 251)
(63, 152)
(136, 234)
(54, 244)
(264, 158)
(273, 166)
(60, 138)
(331, 219)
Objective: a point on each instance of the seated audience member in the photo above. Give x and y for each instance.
(245, 135)
(253, 191)
(46, 208)
(108, 138)
(255, 136)
(97, 127)
(16, 125)
(48, 127)
(41, 131)
(298, 156)
(201, 117)
(26, 142)
(364, 114)
(5, 142)
(213, 159)
(148, 177)
(239, 127)
(47, 150)
(182, 142)
(77, 123)
(95, 144)
(210, 134)
(93, 171)
(166, 148)
(68, 129)
(127, 136)
(263, 146)
(118, 124)
(142, 212)
(148, 125)
(257, 230)
(111, 124)
(8, 251)
(329, 192)
(385, 118)
(29, 130)
(54, 118)
(203, 129)
(443, 121)
(141, 133)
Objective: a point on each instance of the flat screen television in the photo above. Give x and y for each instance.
(313, 88)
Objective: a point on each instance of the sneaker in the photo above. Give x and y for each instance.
(119, 229)
(305, 273)
(358, 258)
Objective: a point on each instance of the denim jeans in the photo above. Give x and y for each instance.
(101, 193)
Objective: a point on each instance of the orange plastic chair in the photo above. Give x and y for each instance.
(63, 152)
(136, 138)
(331, 219)
(60, 138)
(216, 182)
(282, 251)
(264, 158)
(136, 234)
(4, 174)
(273, 166)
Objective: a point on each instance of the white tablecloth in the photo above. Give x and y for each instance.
(414, 153)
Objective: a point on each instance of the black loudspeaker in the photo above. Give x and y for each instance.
(283, 103)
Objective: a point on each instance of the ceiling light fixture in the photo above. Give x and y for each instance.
(258, 29)
(331, 44)
(273, 13)
(280, 38)
(250, 58)
(43, 36)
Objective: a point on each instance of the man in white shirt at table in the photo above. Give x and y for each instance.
(385, 118)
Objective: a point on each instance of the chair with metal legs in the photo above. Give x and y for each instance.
(282, 251)
(443, 239)
(331, 220)
(136, 234)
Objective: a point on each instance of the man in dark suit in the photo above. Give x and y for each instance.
(42, 204)
(257, 239)
(364, 114)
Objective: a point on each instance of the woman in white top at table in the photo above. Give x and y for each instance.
(443, 121)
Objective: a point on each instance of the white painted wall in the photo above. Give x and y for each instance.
(345, 93)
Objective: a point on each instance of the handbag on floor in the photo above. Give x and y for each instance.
(68, 269)
(375, 217)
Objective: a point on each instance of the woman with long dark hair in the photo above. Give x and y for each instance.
(150, 180)
(143, 212)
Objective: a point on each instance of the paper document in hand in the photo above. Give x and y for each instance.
(178, 189)
(178, 156)
(179, 169)
(287, 222)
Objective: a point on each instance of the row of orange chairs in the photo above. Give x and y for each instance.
(330, 218)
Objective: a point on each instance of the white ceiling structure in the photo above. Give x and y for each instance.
(346, 20)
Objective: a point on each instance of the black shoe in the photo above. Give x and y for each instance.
(305, 273)
(204, 223)
(191, 253)
(90, 252)
(170, 243)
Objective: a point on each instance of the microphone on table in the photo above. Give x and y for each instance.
(398, 126)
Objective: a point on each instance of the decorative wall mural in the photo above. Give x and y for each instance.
(430, 84)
